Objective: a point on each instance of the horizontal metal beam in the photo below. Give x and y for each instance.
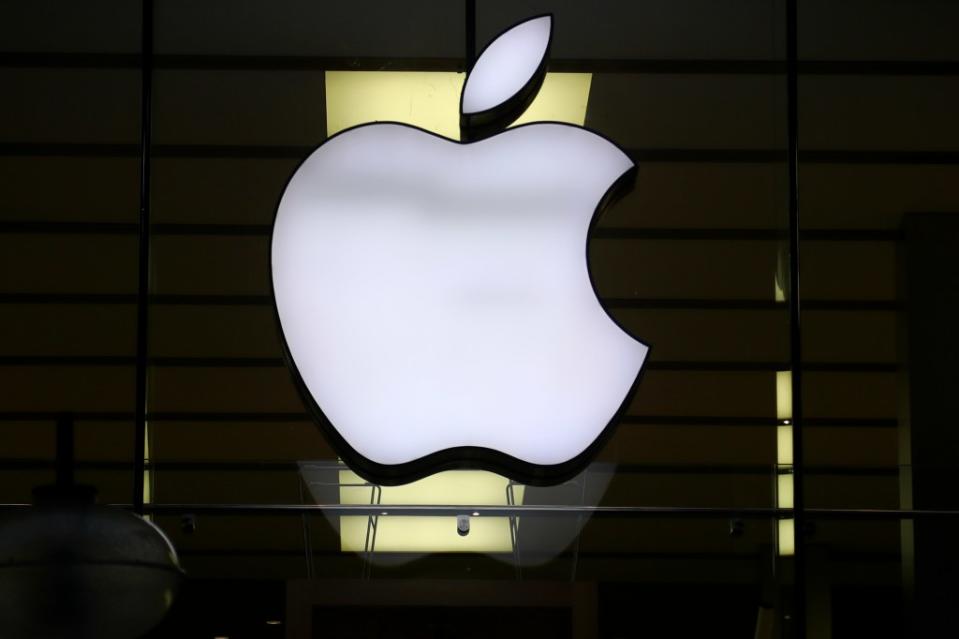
(599, 512)
(209, 299)
(278, 362)
(303, 417)
(295, 153)
(33, 227)
(766, 470)
(436, 511)
(559, 511)
(71, 60)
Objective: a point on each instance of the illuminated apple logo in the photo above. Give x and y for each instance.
(435, 296)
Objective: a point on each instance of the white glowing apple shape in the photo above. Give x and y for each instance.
(435, 295)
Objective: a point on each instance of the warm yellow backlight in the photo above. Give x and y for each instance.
(787, 537)
(784, 445)
(786, 540)
(430, 534)
(784, 395)
(784, 490)
(562, 98)
(431, 99)
(147, 475)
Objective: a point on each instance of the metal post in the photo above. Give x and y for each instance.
(795, 334)
(143, 265)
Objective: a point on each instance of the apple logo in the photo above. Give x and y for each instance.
(434, 296)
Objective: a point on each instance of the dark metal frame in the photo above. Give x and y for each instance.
(143, 255)
(795, 333)
(596, 65)
(614, 512)
(295, 152)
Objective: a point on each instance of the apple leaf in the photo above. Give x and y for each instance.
(505, 78)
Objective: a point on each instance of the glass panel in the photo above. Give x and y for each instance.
(856, 579)
(693, 261)
(69, 128)
(877, 147)
(732, 577)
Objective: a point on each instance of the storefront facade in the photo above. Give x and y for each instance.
(785, 251)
